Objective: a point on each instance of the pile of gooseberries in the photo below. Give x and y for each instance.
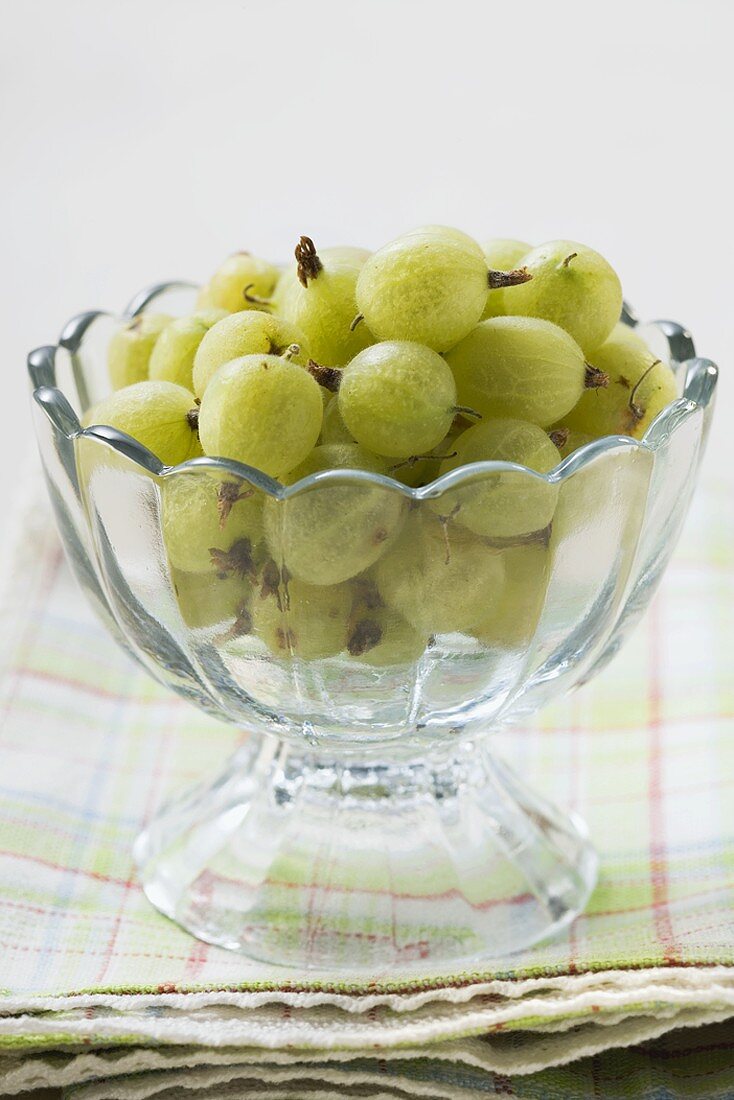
(427, 355)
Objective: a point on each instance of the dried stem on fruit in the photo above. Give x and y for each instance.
(530, 538)
(365, 635)
(328, 377)
(413, 460)
(559, 437)
(290, 351)
(241, 625)
(236, 560)
(309, 264)
(466, 410)
(254, 299)
(357, 321)
(594, 378)
(636, 411)
(571, 256)
(445, 521)
(274, 582)
(192, 418)
(270, 579)
(459, 423)
(499, 279)
(228, 494)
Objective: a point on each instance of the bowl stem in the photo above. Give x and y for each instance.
(302, 860)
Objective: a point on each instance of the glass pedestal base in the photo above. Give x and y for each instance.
(299, 860)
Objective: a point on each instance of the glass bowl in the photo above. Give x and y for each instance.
(369, 642)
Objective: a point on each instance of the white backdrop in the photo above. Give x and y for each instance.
(144, 139)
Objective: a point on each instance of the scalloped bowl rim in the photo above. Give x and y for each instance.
(55, 404)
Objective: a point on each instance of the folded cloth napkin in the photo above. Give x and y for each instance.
(95, 984)
(684, 1063)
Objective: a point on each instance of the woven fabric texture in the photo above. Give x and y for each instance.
(90, 746)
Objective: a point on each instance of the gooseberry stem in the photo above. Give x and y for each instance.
(237, 561)
(228, 494)
(241, 625)
(270, 580)
(357, 321)
(445, 521)
(253, 299)
(328, 377)
(364, 635)
(498, 279)
(595, 378)
(559, 437)
(309, 264)
(413, 460)
(465, 410)
(634, 408)
(530, 538)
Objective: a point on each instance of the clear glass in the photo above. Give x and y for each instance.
(369, 641)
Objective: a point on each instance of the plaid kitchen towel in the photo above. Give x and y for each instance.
(688, 1064)
(94, 983)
